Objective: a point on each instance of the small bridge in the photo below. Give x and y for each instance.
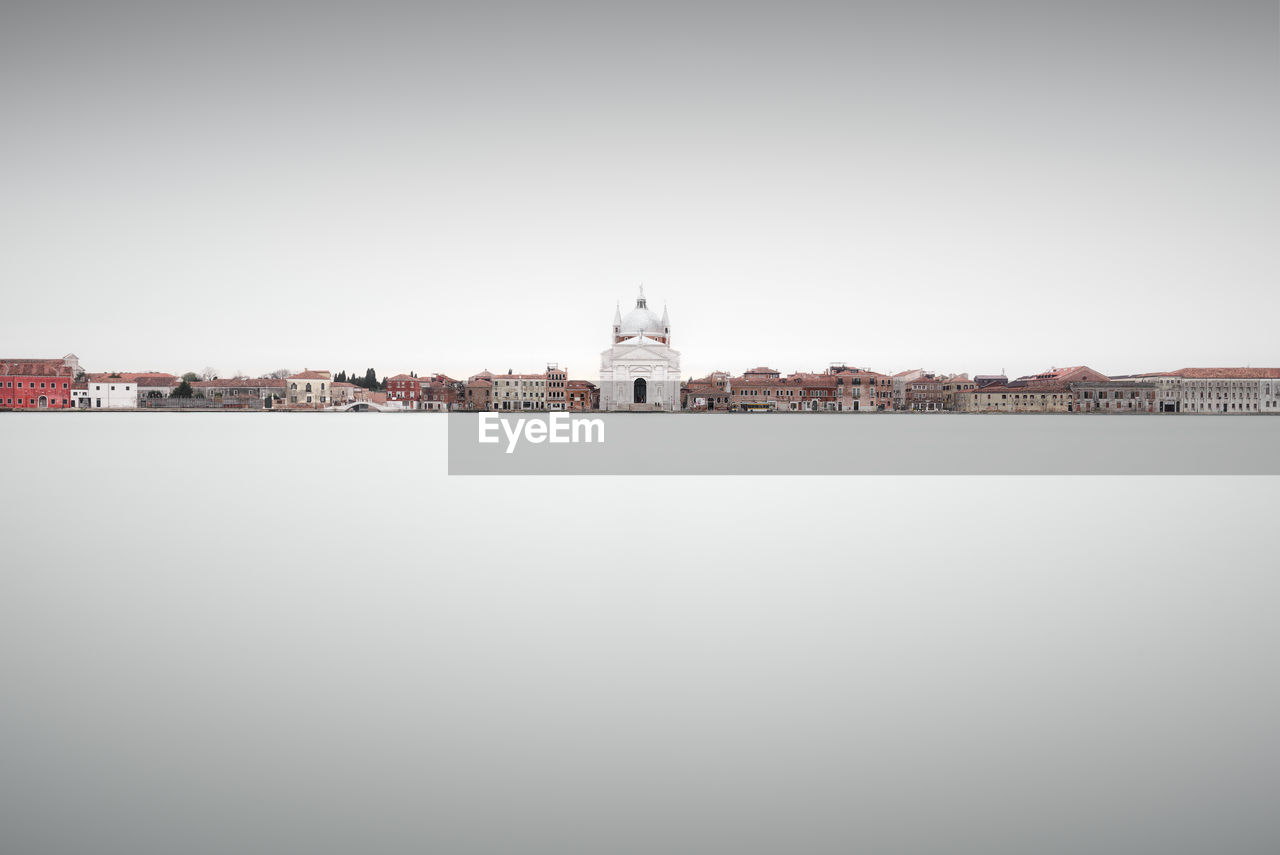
(364, 407)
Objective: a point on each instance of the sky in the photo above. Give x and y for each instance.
(959, 186)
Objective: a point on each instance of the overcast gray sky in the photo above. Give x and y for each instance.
(954, 185)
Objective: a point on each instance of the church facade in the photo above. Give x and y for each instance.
(640, 372)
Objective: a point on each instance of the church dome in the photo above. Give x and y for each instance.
(638, 319)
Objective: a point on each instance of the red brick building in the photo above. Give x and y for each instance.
(581, 395)
(441, 392)
(405, 389)
(477, 394)
(765, 389)
(706, 394)
(36, 384)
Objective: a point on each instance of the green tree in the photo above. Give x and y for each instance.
(183, 390)
(191, 377)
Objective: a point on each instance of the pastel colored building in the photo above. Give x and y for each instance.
(308, 390)
(518, 392)
(861, 389)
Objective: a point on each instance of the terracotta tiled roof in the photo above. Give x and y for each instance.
(241, 383)
(310, 375)
(156, 379)
(400, 377)
(34, 368)
(1227, 373)
(1059, 373)
(1114, 384)
(148, 378)
(1019, 388)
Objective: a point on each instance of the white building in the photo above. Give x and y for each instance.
(112, 392)
(640, 372)
(80, 395)
(1233, 391)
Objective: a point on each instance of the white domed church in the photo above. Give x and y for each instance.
(640, 372)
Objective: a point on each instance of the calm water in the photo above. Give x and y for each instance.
(265, 634)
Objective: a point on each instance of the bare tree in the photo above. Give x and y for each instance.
(210, 373)
(280, 373)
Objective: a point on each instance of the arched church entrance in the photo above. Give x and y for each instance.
(640, 391)
(44, 402)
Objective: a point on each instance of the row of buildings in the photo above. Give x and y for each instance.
(1075, 389)
(640, 372)
(61, 384)
(58, 384)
